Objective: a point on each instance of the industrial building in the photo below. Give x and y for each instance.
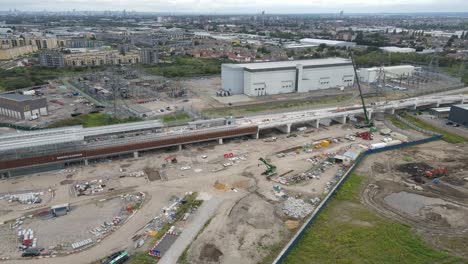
(440, 112)
(394, 49)
(371, 75)
(459, 114)
(22, 106)
(267, 78)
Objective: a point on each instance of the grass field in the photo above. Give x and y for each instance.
(347, 232)
(446, 136)
(186, 67)
(22, 77)
(398, 123)
(180, 116)
(239, 111)
(92, 120)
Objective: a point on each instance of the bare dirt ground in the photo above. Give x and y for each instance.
(436, 209)
(248, 221)
(239, 234)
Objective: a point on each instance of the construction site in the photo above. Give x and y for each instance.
(424, 187)
(221, 190)
(304, 168)
(255, 193)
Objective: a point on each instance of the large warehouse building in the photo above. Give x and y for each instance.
(267, 78)
(20, 106)
(459, 114)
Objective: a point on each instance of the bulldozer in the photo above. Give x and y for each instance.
(271, 169)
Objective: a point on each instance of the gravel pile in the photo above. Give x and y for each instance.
(297, 208)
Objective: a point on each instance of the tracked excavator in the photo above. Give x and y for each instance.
(271, 169)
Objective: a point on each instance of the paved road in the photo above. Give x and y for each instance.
(456, 91)
(204, 213)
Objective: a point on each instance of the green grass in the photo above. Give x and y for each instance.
(347, 232)
(236, 111)
(175, 117)
(454, 70)
(398, 123)
(186, 67)
(446, 135)
(22, 77)
(92, 120)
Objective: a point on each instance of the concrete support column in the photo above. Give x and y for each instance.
(391, 111)
(257, 135)
(438, 104)
(462, 100)
(414, 107)
(315, 123)
(180, 147)
(135, 154)
(340, 119)
(285, 128)
(86, 163)
(369, 115)
(325, 121)
(220, 141)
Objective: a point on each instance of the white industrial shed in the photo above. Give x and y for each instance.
(328, 42)
(371, 75)
(267, 78)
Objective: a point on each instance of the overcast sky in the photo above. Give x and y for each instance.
(242, 6)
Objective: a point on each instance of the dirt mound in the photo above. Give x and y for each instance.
(379, 167)
(291, 224)
(65, 182)
(454, 180)
(221, 186)
(210, 253)
(414, 169)
(242, 184)
(245, 233)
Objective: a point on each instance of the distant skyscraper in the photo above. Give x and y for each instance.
(263, 17)
(341, 13)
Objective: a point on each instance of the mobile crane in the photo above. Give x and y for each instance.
(367, 122)
(271, 169)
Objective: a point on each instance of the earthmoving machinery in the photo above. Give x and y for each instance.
(367, 122)
(271, 169)
(436, 172)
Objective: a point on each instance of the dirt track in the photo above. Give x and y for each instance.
(443, 211)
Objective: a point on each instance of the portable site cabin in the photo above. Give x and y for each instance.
(59, 210)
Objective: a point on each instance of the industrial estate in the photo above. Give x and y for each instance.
(130, 137)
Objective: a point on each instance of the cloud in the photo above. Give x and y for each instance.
(242, 6)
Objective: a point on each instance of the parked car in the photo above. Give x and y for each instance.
(32, 252)
(449, 123)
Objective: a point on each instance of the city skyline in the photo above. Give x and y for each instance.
(242, 6)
